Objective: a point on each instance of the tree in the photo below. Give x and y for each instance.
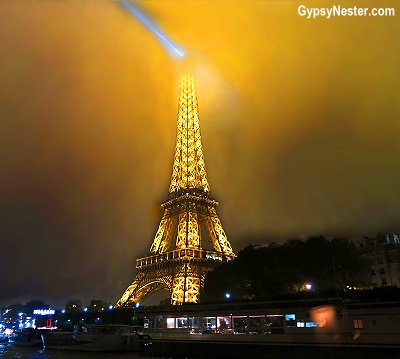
(35, 304)
(318, 264)
(335, 264)
(275, 271)
(256, 273)
(97, 305)
(73, 306)
(350, 268)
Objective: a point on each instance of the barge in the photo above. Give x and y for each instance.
(285, 329)
(93, 338)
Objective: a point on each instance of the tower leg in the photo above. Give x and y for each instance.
(186, 285)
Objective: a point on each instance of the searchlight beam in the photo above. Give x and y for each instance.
(173, 49)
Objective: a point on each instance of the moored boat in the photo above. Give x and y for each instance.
(28, 337)
(94, 338)
(301, 329)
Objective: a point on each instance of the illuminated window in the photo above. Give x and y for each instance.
(357, 323)
(209, 323)
(170, 322)
(290, 320)
(310, 325)
(223, 323)
(181, 322)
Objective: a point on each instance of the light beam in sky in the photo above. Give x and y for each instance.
(173, 49)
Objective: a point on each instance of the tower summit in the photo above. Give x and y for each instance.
(189, 170)
(177, 260)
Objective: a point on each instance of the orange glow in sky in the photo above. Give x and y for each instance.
(299, 118)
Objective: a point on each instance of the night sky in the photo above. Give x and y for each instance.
(300, 122)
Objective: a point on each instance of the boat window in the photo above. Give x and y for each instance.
(358, 324)
(310, 325)
(181, 322)
(170, 322)
(256, 324)
(300, 324)
(209, 323)
(194, 322)
(290, 317)
(274, 320)
(239, 324)
(158, 322)
(224, 324)
(290, 320)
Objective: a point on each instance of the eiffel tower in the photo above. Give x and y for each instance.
(176, 260)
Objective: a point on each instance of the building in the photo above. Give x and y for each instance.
(383, 254)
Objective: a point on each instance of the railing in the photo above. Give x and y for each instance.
(183, 253)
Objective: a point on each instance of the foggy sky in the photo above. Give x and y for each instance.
(299, 117)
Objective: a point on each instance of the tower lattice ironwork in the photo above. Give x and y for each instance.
(176, 260)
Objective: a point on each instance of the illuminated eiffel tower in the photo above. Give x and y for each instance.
(176, 260)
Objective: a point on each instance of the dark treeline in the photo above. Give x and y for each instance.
(270, 272)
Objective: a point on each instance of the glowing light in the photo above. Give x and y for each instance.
(324, 317)
(85, 310)
(227, 296)
(44, 311)
(145, 21)
(137, 305)
(308, 286)
(110, 307)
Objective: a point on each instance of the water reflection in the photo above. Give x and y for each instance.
(8, 351)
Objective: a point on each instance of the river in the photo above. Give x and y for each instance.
(9, 351)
